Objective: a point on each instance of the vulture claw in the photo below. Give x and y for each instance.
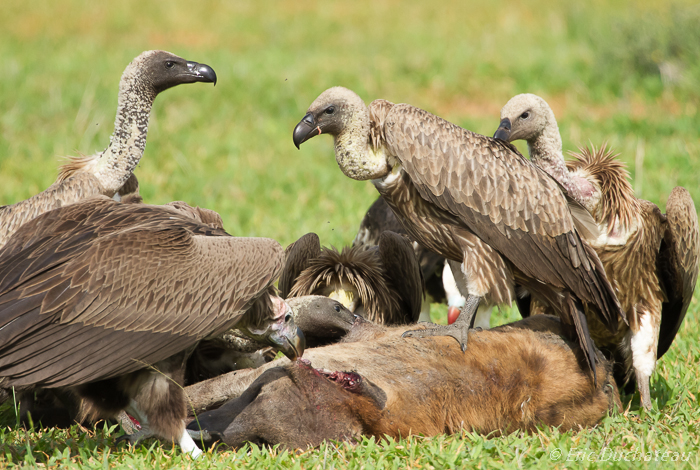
(460, 332)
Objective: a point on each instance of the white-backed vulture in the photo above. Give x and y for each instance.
(650, 258)
(106, 172)
(514, 377)
(382, 283)
(107, 299)
(472, 199)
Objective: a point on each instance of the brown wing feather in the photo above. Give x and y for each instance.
(403, 270)
(678, 264)
(503, 198)
(299, 254)
(142, 278)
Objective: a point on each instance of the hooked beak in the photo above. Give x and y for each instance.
(305, 130)
(280, 332)
(293, 345)
(503, 131)
(286, 336)
(201, 72)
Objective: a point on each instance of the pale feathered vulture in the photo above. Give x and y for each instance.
(106, 299)
(106, 172)
(382, 283)
(472, 199)
(650, 258)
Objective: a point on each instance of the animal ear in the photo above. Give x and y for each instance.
(373, 392)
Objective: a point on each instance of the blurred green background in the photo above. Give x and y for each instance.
(622, 72)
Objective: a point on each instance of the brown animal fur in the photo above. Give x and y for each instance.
(518, 376)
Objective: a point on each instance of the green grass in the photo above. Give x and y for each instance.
(229, 148)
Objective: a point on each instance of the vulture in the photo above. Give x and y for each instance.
(322, 320)
(440, 285)
(383, 283)
(106, 300)
(106, 172)
(650, 258)
(474, 200)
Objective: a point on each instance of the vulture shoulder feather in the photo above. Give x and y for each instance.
(678, 264)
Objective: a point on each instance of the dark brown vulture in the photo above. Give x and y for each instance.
(650, 258)
(382, 283)
(106, 172)
(107, 299)
(474, 200)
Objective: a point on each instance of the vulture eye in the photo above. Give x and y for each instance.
(330, 110)
(336, 308)
(169, 64)
(525, 115)
(288, 318)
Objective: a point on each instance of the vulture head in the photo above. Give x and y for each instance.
(526, 117)
(342, 113)
(271, 321)
(162, 70)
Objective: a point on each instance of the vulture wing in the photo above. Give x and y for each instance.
(402, 268)
(298, 255)
(504, 199)
(99, 289)
(677, 264)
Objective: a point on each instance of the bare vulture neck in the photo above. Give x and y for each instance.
(357, 158)
(127, 143)
(545, 152)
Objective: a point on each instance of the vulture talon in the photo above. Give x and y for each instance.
(456, 331)
(459, 330)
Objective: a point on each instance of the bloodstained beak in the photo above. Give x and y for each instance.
(305, 130)
(503, 131)
(201, 72)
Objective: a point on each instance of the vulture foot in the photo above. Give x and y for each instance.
(644, 391)
(459, 330)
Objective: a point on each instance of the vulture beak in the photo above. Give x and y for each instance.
(293, 344)
(305, 130)
(279, 331)
(285, 335)
(503, 131)
(201, 72)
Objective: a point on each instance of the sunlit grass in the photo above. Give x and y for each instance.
(229, 148)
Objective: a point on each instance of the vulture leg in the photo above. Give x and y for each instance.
(185, 441)
(459, 330)
(644, 344)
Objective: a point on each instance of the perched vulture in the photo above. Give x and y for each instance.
(650, 258)
(474, 200)
(382, 283)
(514, 377)
(107, 299)
(106, 172)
